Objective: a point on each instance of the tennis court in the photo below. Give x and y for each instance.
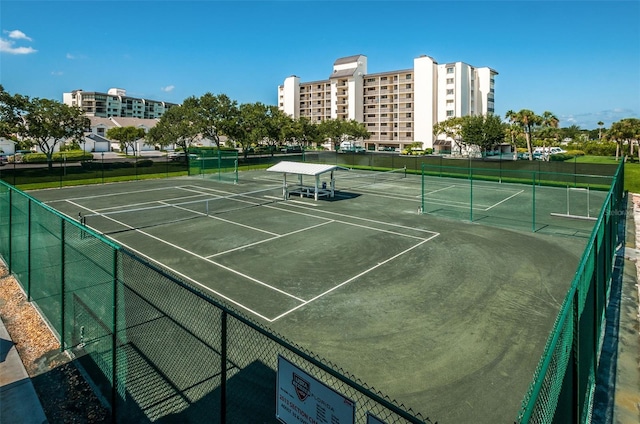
(445, 315)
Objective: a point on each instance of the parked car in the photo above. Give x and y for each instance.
(178, 156)
(3, 159)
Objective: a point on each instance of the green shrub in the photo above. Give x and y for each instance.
(560, 157)
(575, 152)
(34, 158)
(144, 163)
(600, 148)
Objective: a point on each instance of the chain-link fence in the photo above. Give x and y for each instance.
(156, 347)
(160, 349)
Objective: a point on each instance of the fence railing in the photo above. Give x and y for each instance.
(156, 347)
(563, 384)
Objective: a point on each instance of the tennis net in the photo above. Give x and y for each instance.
(166, 213)
(355, 179)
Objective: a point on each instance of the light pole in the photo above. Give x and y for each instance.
(102, 154)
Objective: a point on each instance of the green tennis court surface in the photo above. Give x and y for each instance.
(447, 316)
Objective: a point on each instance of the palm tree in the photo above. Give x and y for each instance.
(600, 124)
(527, 120)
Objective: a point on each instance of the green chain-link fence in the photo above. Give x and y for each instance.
(156, 348)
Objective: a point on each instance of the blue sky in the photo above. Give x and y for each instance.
(577, 59)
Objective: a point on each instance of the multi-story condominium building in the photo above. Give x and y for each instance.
(398, 108)
(115, 102)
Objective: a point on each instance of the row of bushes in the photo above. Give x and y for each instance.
(94, 166)
(69, 156)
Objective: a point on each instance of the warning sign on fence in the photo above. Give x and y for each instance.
(302, 399)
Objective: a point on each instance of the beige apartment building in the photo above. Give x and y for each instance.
(398, 108)
(115, 103)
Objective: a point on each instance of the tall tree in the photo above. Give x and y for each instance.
(338, 130)
(450, 129)
(12, 109)
(49, 123)
(177, 126)
(305, 132)
(275, 126)
(249, 128)
(216, 114)
(484, 131)
(600, 125)
(127, 137)
(527, 120)
(625, 132)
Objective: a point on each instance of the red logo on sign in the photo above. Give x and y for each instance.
(301, 385)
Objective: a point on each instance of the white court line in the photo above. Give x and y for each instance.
(352, 217)
(255, 280)
(352, 278)
(97, 196)
(502, 201)
(269, 239)
(304, 302)
(225, 220)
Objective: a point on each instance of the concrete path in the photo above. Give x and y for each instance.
(19, 403)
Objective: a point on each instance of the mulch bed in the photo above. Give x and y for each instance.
(65, 395)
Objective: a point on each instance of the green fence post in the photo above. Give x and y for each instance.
(422, 191)
(29, 251)
(10, 226)
(62, 283)
(533, 202)
(471, 194)
(223, 368)
(114, 341)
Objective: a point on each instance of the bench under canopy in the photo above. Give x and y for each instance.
(310, 169)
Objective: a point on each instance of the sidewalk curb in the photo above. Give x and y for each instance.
(19, 402)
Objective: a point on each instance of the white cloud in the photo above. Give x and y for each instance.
(168, 88)
(56, 73)
(70, 56)
(6, 46)
(17, 35)
(589, 120)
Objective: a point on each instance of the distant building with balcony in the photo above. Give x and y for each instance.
(398, 108)
(115, 103)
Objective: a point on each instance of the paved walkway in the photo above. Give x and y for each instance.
(19, 403)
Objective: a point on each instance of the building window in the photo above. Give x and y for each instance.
(408, 105)
(450, 70)
(449, 113)
(408, 114)
(449, 102)
(408, 76)
(408, 86)
(371, 79)
(408, 124)
(449, 80)
(408, 134)
(449, 91)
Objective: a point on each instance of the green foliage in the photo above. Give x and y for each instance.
(600, 148)
(68, 156)
(560, 157)
(144, 163)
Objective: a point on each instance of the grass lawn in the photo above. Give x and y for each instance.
(631, 170)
